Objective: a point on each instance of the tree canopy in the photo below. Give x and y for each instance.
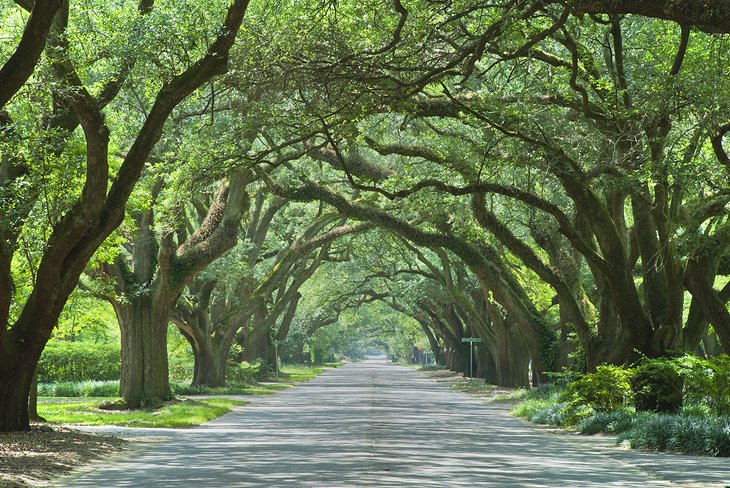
(550, 177)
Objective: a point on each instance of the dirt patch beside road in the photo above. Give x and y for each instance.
(35, 457)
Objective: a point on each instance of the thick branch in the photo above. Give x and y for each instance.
(708, 15)
(16, 70)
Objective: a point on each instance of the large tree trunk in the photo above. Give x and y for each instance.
(16, 377)
(511, 357)
(144, 352)
(257, 343)
(490, 367)
(210, 364)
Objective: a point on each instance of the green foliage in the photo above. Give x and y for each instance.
(707, 382)
(179, 414)
(78, 361)
(657, 385)
(180, 360)
(231, 388)
(606, 390)
(554, 414)
(246, 372)
(542, 403)
(607, 422)
(527, 409)
(690, 435)
(79, 389)
(600, 403)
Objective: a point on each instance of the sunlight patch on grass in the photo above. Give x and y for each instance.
(186, 413)
(297, 373)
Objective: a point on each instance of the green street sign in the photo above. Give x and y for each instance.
(471, 339)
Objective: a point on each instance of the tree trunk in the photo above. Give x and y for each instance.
(210, 363)
(144, 378)
(258, 344)
(33, 400)
(490, 368)
(16, 376)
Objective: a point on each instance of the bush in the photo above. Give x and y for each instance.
(608, 422)
(606, 390)
(657, 386)
(66, 361)
(527, 409)
(245, 372)
(707, 382)
(690, 435)
(79, 389)
(554, 414)
(653, 432)
(231, 388)
(563, 378)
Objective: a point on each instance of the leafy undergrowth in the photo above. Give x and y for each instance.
(289, 375)
(184, 413)
(231, 388)
(79, 389)
(691, 431)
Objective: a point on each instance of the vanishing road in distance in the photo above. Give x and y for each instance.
(381, 425)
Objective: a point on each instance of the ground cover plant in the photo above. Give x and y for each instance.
(691, 422)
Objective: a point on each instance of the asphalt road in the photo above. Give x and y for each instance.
(375, 424)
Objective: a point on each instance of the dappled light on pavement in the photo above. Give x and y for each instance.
(368, 424)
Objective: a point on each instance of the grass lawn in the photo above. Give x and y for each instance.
(297, 373)
(180, 414)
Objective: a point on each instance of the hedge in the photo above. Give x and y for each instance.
(65, 361)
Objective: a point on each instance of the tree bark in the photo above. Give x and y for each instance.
(16, 70)
(144, 380)
(210, 363)
(16, 377)
(708, 15)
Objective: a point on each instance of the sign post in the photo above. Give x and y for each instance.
(471, 341)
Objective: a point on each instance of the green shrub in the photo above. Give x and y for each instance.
(553, 414)
(65, 361)
(608, 422)
(690, 435)
(653, 432)
(245, 372)
(718, 439)
(657, 386)
(180, 366)
(527, 409)
(79, 389)
(231, 388)
(707, 382)
(562, 379)
(606, 390)
(99, 388)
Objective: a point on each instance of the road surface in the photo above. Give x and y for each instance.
(376, 424)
